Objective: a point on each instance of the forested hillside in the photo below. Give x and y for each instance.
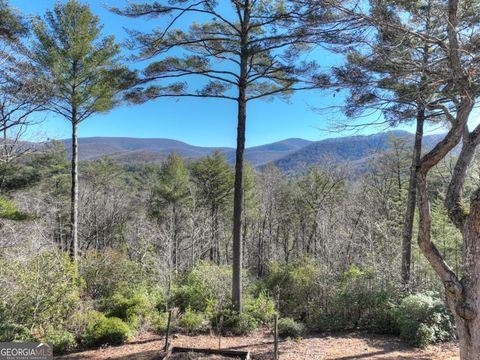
(290, 155)
(154, 236)
(97, 147)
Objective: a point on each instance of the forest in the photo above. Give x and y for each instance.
(95, 253)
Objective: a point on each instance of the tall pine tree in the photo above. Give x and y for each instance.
(243, 50)
(82, 70)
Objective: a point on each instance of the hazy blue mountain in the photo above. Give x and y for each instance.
(290, 155)
(125, 150)
(263, 154)
(92, 148)
(354, 150)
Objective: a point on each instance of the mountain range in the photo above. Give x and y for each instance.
(289, 155)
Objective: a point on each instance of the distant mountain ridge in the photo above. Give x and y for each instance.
(289, 155)
(263, 154)
(92, 148)
(354, 150)
(127, 150)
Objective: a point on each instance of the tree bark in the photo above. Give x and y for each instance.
(212, 235)
(411, 202)
(74, 191)
(237, 204)
(465, 309)
(175, 238)
(217, 239)
(463, 296)
(238, 186)
(214, 245)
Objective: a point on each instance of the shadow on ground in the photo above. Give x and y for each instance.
(327, 346)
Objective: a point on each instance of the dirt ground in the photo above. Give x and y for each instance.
(193, 356)
(354, 346)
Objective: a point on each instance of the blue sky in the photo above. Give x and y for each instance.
(204, 122)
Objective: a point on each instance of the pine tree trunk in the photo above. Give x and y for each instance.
(238, 186)
(237, 206)
(411, 202)
(74, 193)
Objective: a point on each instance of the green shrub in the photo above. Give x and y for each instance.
(203, 287)
(424, 336)
(385, 320)
(192, 321)
(443, 323)
(354, 302)
(238, 324)
(313, 295)
(137, 310)
(288, 327)
(101, 330)
(296, 284)
(11, 332)
(79, 320)
(424, 320)
(8, 210)
(159, 323)
(61, 340)
(44, 291)
(109, 271)
(261, 308)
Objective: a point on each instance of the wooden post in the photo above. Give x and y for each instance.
(275, 324)
(219, 330)
(168, 329)
(275, 334)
